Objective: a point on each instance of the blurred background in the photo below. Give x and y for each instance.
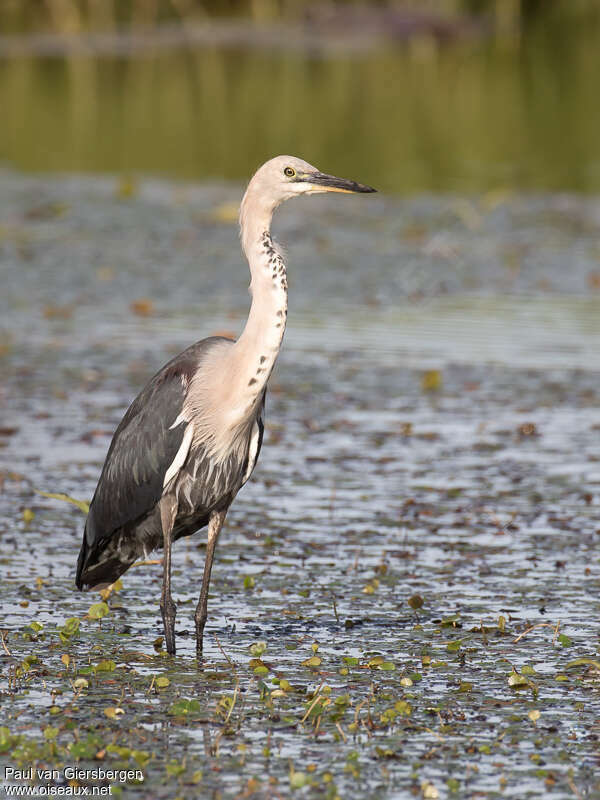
(440, 95)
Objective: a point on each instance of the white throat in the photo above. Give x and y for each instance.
(258, 346)
(260, 341)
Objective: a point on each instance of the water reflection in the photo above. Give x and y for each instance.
(468, 116)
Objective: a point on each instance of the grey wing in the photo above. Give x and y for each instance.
(143, 447)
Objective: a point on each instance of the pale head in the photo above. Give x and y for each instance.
(287, 176)
(280, 179)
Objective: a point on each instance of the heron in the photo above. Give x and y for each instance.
(191, 438)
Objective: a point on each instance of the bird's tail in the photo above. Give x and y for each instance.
(99, 566)
(81, 563)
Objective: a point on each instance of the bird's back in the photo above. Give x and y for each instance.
(153, 452)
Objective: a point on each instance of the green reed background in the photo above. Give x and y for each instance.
(18, 15)
(514, 105)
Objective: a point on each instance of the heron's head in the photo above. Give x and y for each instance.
(286, 176)
(278, 180)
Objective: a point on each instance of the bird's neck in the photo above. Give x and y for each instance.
(260, 342)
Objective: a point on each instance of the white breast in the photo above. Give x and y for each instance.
(252, 452)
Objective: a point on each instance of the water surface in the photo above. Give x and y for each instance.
(433, 429)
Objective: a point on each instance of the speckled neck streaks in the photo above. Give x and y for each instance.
(260, 342)
(269, 298)
(275, 262)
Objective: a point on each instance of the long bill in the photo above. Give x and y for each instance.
(330, 183)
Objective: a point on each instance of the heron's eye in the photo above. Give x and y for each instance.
(290, 172)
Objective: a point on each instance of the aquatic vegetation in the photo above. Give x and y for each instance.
(469, 513)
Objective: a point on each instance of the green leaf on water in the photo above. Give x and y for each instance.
(453, 647)
(123, 752)
(564, 640)
(298, 780)
(431, 380)
(516, 681)
(403, 707)
(451, 622)
(162, 682)
(29, 661)
(86, 749)
(174, 769)
(140, 757)
(98, 610)
(313, 661)
(36, 626)
(183, 707)
(249, 582)
(342, 700)
(106, 666)
(7, 740)
(81, 504)
(69, 630)
(583, 662)
(258, 648)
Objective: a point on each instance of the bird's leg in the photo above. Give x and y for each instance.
(215, 523)
(168, 511)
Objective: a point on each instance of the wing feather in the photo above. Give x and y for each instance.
(149, 440)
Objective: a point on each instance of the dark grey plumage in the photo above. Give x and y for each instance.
(124, 520)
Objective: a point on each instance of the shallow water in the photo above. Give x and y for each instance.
(433, 429)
